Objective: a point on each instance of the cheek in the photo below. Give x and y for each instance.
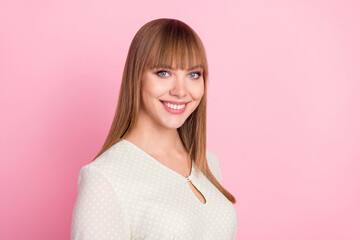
(197, 91)
(151, 88)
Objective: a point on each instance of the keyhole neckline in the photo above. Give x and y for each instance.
(178, 175)
(174, 173)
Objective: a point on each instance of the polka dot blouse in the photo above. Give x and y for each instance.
(127, 194)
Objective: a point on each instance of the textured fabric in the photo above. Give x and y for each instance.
(127, 194)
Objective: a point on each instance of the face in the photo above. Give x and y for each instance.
(169, 96)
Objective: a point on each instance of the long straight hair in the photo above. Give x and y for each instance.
(164, 42)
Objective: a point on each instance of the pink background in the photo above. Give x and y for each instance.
(283, 113)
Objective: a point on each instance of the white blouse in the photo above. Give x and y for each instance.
(127, 194)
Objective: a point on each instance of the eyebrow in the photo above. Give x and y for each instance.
(170, 67)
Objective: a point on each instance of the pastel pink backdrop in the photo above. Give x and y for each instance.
(283, 113)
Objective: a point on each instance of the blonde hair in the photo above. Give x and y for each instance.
(164, 42)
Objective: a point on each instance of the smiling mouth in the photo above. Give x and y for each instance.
(174, 106)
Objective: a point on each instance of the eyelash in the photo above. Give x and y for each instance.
(198, 73)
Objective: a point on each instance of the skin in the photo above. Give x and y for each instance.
(156, 129)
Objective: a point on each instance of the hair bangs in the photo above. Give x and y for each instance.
(177, 50)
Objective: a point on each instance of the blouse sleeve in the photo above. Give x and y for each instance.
(214, 166)
(97, 213)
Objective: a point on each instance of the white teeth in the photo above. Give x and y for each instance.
(173, 106)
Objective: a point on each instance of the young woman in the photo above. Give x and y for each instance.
(154, 177)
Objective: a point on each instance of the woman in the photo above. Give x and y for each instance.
(154, 177)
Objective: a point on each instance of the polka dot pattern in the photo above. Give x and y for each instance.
(127, 194)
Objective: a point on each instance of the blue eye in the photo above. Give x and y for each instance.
(194, 76)
(162, 73)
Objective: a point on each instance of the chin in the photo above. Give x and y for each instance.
(173, 125)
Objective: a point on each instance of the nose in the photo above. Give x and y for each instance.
(179, 87)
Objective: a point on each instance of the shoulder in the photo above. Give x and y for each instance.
(111, 161)
(212, 158)
(213, 164)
